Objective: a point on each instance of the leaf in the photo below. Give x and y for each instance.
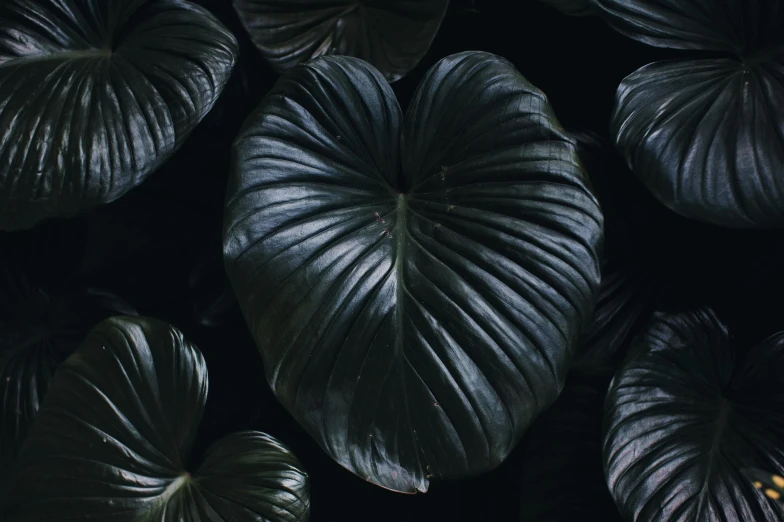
(704, 137)
(561, 460)
(416, 285)
(626, 301)
(115, 432)
(574, 7)
(736, 26)
(562, 478)
(97, 94)
(392, 35)
(38, 331)
(683, 418)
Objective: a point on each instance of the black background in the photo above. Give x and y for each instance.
(160, 246)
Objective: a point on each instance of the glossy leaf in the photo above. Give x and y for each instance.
(114, 435)
(574, 7)
(562, 479)
(705, 137)
(37, 332)
(393, 35)
(684, 418)
(97, 94)
(417, 284)
(737, 26)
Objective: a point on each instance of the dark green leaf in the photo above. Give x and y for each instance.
(115, 431)
(683, 418)
(706, 138)
(37, 332)
(562, 461)
(705, 135)
(737, 26)
(96, 94)
(574, 7)
(416, 285)
(393, 35)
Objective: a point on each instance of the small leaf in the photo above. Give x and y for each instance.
(392, 35)
(38, 331)
(116, 430)
(96, 94)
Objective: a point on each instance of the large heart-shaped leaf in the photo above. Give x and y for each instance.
(705, 136)
(416, 285)
(114, 435)
(683, 419)
(393, 35)
(37, 332)
(96, 94)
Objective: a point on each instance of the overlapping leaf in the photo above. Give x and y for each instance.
(393, 35)
(736, 26)
(562, 477)
(626, 302)
(705, 136)
(114, 435)
(416, 285)
(684, 418)
(96, 94)
(37, 332)
(561, 461)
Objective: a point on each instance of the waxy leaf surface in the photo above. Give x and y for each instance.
(38, 331)
(393, 35)
(706, 136)
(416, 284)
(685, 416)
(97, 94)
(114, 435)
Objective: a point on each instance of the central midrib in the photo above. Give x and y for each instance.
(172, 489)
(401, 212)
(721, 424)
